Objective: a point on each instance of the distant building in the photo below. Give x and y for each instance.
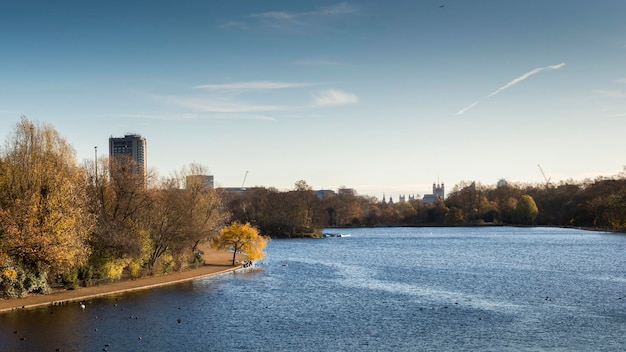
(402, 198)
(323, 193)
(132, 146)
(346, 191)
(438, 194)
(202, 180)
(502, 182)
(233, 189)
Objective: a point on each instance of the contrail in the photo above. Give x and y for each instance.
(467, 108)
(524, 76)
(513, 82)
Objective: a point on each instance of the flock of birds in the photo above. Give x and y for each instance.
(83, 306)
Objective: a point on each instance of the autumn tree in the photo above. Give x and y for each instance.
(526, 210)
(186, 213)
(346, 208)
(280, 214)
(471, 200)
(121, 202)
(436, 212)
(44, 218)
(302, 205)
(265, 208)
(241, 238)
(454, 217)
(390, 215)
(616, 209)
(557, 202)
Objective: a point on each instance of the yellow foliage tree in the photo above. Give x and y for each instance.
(526, 210)
(44, 222)
(241, 238)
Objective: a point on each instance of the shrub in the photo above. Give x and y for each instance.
(70, 279)
(112, 270)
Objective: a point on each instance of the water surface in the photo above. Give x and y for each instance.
(389, 289)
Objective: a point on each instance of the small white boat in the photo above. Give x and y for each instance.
(336, 235)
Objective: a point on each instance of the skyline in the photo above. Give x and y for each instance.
(383, 97)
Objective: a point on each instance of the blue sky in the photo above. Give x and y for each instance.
(380, 96)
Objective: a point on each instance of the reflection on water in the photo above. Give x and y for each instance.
(473, 289)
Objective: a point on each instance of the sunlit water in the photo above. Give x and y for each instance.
(392, 289)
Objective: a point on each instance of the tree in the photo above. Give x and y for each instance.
(302, 186)
(241, 238)
(345, 208)
(454, 217)
(183, 218)
(526, 210)
(616, 210)
(302, 202)
(44, 218)
(122, 203)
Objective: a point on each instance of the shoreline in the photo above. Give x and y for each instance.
(216, 263)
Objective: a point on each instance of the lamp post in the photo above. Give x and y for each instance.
(96, 163)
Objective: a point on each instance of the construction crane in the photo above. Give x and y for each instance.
(244, 181)
(544, 176)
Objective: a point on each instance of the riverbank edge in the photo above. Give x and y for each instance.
(591, 229)
(85, 293)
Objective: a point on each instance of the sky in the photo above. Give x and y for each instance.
(386, 97)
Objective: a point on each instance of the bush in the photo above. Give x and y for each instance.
(134, 269)
(198, 260)
(70, 279)
(11, 285)
(86, 275)
(163, 265)
(16, 282)
(37, 281)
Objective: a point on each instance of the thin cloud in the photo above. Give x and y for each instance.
(334, 97)
(226, 101)
(234, 24)
(243, 117)
(616, 94)
(335, 10)
(219, 106)
(276, 15)
(514, 82)
(317, 62)
(254, 85)
(8, 112)
(621, 80)
(280, 19)
(189, 117)
(164, 117)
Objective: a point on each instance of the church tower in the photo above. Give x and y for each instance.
(439, 190)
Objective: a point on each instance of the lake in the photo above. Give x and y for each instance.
(382, 289)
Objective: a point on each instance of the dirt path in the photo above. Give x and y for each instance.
(215, 263)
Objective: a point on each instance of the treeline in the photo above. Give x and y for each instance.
(67, 224)
(598, 204)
